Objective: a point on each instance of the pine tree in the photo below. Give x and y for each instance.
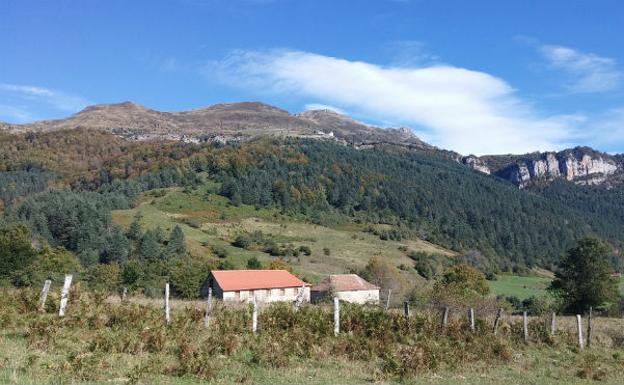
(177, 244)
(135, 232)
(149, 248)
(116, 247)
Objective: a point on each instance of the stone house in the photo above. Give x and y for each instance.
(347, 287)
(263, 285)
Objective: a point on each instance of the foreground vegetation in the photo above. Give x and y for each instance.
(107, 341)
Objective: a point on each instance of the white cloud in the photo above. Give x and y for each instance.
(38, 97)
(319, 106)
(588, 72)
(456, 108)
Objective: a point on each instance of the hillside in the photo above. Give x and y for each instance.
(210, 223)
(220, 122)
(411, 194)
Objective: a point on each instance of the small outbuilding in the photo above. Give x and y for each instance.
(261, 285)
(347, 287)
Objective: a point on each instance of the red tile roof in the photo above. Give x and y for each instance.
(230, 280)
(344, 282)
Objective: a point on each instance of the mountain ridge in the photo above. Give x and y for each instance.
(240, 121)
(222, 122)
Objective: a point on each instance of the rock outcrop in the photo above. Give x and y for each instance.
(580, 165)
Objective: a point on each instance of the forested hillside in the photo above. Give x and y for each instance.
(64, 185)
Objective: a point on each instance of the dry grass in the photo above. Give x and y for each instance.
(102, 340)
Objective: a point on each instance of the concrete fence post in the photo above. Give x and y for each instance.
(44, 295)
(166, 305)
(388, 299)
(445, 316)
(579, 330)
(525, 326)
(208, 310)
(553, 324)
(254, 317)
(65, 294)
(336, 316)
(471, 317)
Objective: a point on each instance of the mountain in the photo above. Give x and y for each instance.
(235, 122)
(222, 122)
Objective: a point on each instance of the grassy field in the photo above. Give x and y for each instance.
(106, 342)
(525, 286)
(208, 220)
(521, 287)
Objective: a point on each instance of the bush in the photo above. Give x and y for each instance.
(220, 251)
(254, 264)
(242, 241)
(104, 277)
(50, 263)
(305, 250)
(188, 276)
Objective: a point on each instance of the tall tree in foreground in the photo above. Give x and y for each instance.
(584, 277)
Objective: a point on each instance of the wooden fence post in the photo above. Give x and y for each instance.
(499, 314)
(589, 327)
(208, 310)
(65, 294)
(254, 317)
(388, 299)
(44, 295)
(406, 310)
(166, 306)
(471, 317)
(553, 324)
(336, 316)
(579, 329)
(445, 315)
(525, 326)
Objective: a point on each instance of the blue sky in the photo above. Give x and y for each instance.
(472, 76)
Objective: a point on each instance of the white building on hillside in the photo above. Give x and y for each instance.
(347, 287)
(263, 285)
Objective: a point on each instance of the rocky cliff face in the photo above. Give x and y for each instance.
(580, 165)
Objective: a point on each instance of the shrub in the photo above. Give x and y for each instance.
(254, 264)
(220, 251)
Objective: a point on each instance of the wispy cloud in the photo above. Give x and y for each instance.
(319, 106)
(464, 110)
(23, 103)
(587, 72)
